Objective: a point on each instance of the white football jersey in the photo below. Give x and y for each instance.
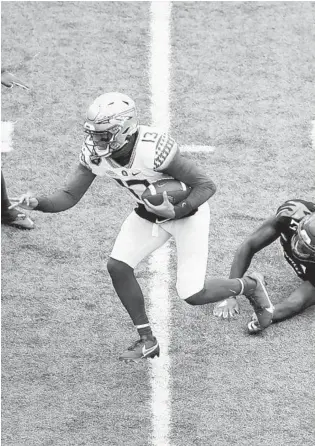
(152, 153)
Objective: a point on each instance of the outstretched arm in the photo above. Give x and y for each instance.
(266, 234)
(62, 199)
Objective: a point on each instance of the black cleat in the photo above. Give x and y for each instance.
(143, 348)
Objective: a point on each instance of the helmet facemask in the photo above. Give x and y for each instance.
(303, 242)
(111, 121)
(103, 143)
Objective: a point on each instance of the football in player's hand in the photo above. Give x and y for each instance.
(176, 191)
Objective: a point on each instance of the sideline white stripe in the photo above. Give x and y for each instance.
(193, 148)
(7, 128)
(159, 262)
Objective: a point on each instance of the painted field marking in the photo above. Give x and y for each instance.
(160, 309)
(195, 148)
(7, 129)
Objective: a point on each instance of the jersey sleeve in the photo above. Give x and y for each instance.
(165, 152)
(202, 187)
(68, 196)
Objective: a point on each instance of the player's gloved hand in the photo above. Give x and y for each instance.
(9, 80)
(26, 201)
(227, 309)
(166, 209)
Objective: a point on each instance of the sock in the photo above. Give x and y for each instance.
(144, 330)
(248, 285)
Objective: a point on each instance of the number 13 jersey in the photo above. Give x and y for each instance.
(152, 153)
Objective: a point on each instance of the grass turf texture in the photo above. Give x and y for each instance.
(241, 80)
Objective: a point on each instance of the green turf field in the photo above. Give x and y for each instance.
(242, 81)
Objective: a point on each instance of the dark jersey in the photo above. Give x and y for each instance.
(289, 215)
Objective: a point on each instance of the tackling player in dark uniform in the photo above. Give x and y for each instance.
(294, 226)
(135, 156)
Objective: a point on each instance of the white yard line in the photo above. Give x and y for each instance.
(160, 309)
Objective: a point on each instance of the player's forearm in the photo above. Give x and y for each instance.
(202, 187)
(198, 195)
(266, 234)
(241, 262)
(57, 202)
(68, 196)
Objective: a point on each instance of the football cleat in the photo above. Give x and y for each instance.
(110, 122)
(143, 348)
(17, 219)
(253, 325)
(259, 299)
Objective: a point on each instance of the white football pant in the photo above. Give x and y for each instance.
(138, 238)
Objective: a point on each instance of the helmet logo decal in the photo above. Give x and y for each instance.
(123, 116)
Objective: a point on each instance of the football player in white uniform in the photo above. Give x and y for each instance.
(135, 156)
(294, 225)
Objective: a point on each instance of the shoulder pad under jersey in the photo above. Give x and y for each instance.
(165, 151)
(296, 209)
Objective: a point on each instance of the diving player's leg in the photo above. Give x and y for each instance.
(135, 242)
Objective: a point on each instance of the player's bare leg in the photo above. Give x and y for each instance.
(252, 286)
(130, 294)
(133, 244)
(302, 298)
(219, 289)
